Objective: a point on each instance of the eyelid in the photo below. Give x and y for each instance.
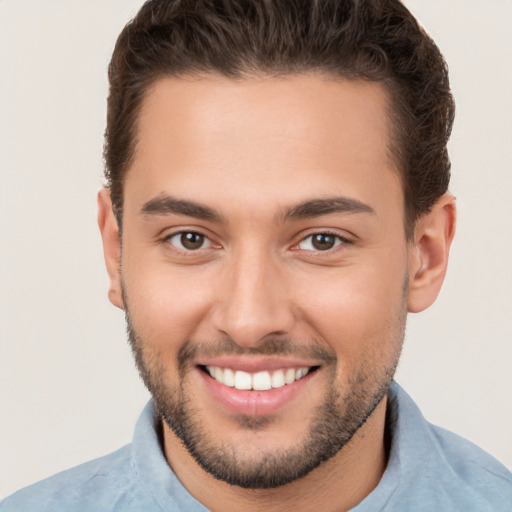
(166, 239)
(341, 240)
(206, 242)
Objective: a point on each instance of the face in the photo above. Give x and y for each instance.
(264, 268)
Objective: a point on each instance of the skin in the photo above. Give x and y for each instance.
(251, 151)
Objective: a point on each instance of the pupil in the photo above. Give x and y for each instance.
(192, 240)
(323, 242)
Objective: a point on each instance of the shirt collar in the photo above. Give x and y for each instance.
(158, 479)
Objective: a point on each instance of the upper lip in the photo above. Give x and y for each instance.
(255, 364)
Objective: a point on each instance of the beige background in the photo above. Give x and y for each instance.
(68, 388)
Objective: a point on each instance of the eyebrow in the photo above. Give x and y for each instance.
(165, 205)
(318, 207)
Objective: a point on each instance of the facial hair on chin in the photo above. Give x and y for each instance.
(337, 417)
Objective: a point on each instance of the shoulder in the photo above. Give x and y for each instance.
(96, 485)
(438, 468)
(473, 469)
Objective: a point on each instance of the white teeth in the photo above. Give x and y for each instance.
(289, 376)
(259, 381)
(278, 379)
(218, 374)
(229, 377)
(243, 380)
(300, 373)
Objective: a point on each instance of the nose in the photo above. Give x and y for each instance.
(253, 302)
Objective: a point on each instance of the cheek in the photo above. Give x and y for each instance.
(166, 305)
(357, 310)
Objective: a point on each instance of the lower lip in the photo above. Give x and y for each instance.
(250, 402)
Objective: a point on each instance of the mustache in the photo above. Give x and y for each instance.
(273, 346)
(280, 345)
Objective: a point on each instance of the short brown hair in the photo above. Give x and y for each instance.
(378, 40)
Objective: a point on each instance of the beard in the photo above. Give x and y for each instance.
(340, 413)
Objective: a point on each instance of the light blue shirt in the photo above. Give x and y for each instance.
(429, 469)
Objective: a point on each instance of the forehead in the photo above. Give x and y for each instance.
(280, 140)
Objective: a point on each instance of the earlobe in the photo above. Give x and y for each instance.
(109, 230)
(428, 256)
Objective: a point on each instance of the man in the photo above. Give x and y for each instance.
(276, 203)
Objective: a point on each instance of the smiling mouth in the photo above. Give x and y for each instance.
(258, 381)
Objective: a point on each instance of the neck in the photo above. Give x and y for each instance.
(336, 485)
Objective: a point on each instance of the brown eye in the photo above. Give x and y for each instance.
(323, 242)
(189, 241)
(320, 242)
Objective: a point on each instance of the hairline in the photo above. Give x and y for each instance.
(393, 117)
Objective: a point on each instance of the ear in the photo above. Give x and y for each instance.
(428, 253)
(109, 229)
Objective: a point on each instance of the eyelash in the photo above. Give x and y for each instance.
(338, 241)
(180, 234)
